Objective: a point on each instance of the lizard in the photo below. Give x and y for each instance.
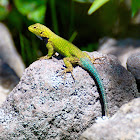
(73, 54)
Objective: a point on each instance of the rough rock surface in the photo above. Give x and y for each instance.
(133, 65)
(122, 49)
(8, 51)
(124, 125)
(44, 105)
(8, 80)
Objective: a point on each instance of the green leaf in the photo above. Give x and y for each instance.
(96, 5)
(4, 9)
(135, 4)
(54, 16)
(73, 36)
(37, 15)
(3, 13)
(84, 1)
(33, 9)
(28, 53)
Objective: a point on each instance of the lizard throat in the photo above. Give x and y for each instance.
(45, 39)
(39, 37)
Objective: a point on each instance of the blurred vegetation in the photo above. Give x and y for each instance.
(69, 19)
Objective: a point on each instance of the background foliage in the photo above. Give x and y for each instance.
(69, 19)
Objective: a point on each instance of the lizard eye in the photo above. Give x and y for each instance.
(34, 27)
(41, 32)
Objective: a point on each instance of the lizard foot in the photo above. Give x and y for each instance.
(44, 57)
(93, 60)
(65, 70)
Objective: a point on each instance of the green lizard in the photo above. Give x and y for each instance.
(55, 43)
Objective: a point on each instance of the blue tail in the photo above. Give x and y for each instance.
(87, 64)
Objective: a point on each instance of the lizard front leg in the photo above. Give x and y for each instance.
(50, 51)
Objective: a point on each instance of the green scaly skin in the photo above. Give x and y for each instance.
(55, 43)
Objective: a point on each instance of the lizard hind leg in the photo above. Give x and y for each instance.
(68, 63)
(93, 59)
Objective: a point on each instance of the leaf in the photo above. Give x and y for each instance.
(3, 13)
(84, 1)
(34, 10)
(73, 36)
(96, 5)
(37, 15)
(135, 6)
(4, 9)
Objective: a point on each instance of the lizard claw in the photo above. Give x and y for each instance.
(93, 60)
(65, 70)
(44, 57)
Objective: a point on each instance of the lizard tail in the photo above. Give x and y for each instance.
(88, 65)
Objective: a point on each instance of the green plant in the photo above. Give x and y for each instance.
(96, 4)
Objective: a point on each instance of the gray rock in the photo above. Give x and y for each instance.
(8, 80)
(8, 51)
(133, 65)
(44, 105)
(124, 125)
(11, 65)
(122, 49)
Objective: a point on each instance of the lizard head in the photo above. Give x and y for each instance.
(40, 31)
